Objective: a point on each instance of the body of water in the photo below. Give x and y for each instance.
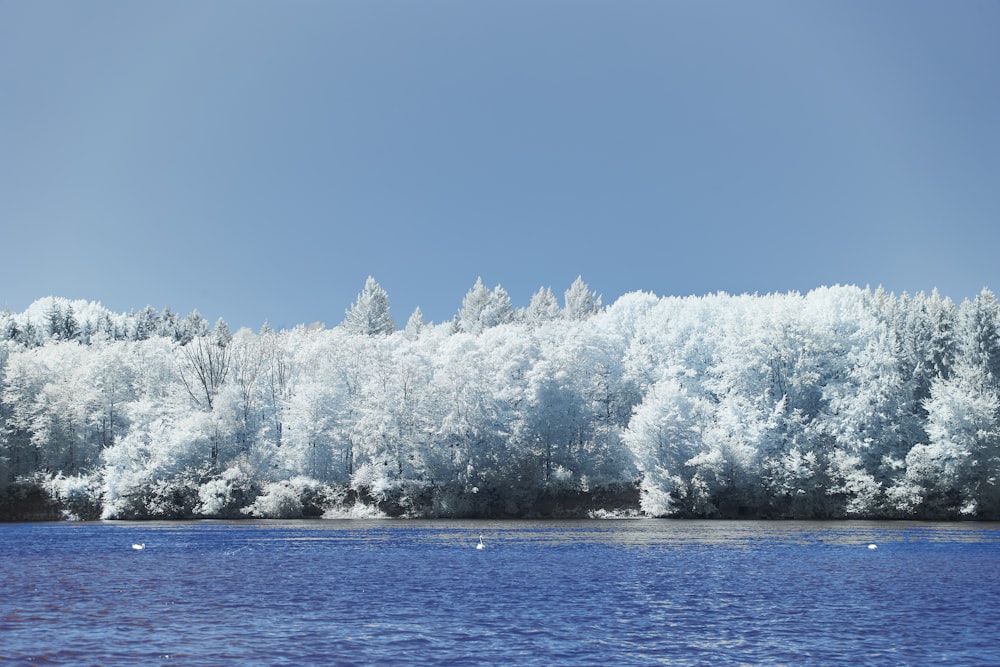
(539, 593)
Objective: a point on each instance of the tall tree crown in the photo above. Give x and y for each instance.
(370, 313)
(581, 303)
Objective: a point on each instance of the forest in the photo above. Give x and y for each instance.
(842, 402)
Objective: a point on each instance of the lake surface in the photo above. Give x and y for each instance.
(540, 593)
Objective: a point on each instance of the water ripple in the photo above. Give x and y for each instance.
(558, 593)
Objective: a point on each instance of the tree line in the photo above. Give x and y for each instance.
(842, 402)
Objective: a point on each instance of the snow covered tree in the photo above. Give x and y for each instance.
(663, 435)
(543, 307)
(981, 336)
(248, 361)
(581, 303)
(369, 316)
(415, 324)
(61, 323)
(942, 315)
(474, 304)
(204, 365)
(192, 326)
(957, 473)
(169, 325)
(482, 309)
(145, 323)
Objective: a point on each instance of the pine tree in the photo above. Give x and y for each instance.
(415, 324)
(982, 336)
(146, 324)
(943, 315)
(54, 320)
(369, 316)
(194, 325)
(581, 303)
(500, 310)
(543, 307)
(70, 326)
(482, 309)
(476, 301)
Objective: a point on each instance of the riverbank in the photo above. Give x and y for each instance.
(30, 501)
(34, 501)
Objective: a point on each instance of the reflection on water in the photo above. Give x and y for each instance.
(628, 532)
(549, 593)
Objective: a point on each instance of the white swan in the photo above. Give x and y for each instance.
(873, 546)
(480, 545)
(139, 547)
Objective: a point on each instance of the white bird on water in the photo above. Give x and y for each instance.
(480, 545)
(139, 547)
(873, 546)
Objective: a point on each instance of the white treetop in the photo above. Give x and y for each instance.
(370, 313)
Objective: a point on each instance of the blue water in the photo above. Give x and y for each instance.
(540, 593)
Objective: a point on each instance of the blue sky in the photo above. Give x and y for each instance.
(258, 160)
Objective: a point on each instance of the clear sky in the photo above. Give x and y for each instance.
(258, 160)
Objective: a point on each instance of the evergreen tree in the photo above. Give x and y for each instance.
(475, 303)
(106, 328)
(169, 326)
(54, 320)
(71, 327)
(581, 303)
(982, 336)
(482, 309)
(499, 310)
(543, 307)
(145, 324)
(193, 326)
(943, 315)
(9, 329)
(369, 316)
(415, 324)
